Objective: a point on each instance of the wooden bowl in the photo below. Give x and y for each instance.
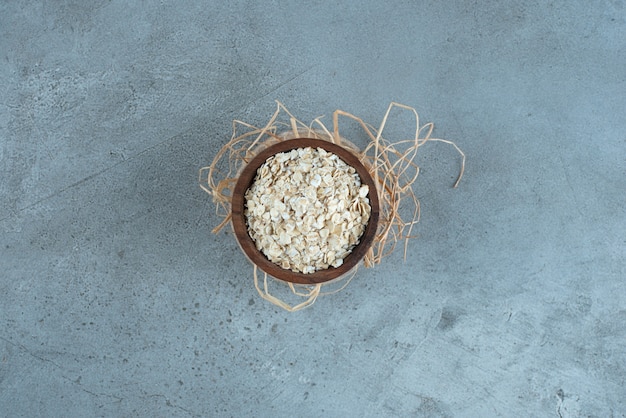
(257, 257)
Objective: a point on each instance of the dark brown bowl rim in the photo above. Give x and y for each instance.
(247, 244)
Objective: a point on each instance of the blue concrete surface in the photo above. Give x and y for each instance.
(116, 300)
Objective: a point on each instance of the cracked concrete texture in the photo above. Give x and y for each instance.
(115, 299)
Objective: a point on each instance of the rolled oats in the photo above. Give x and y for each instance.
(306, 209)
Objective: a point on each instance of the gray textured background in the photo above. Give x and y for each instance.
(115, 299)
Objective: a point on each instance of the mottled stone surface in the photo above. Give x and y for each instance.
(116, 300)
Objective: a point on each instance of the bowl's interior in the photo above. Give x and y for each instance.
(241, 229)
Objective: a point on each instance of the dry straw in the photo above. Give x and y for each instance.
(391, 165)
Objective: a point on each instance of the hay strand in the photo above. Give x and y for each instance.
(391, 165)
